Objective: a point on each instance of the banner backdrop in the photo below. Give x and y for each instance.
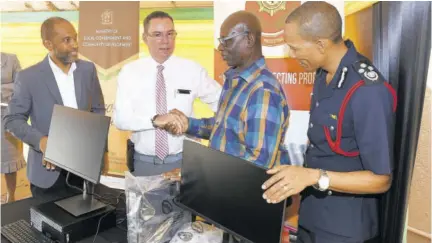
(20, 35)
(296, 82)
(108, 37)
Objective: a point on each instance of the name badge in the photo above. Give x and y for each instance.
(183, 91)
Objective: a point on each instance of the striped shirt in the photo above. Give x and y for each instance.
(251, 120)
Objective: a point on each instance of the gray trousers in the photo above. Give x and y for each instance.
(146, 165)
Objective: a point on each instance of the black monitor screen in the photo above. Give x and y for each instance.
(77, 141)
(226, 191)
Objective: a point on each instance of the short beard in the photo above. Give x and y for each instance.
(65, 59)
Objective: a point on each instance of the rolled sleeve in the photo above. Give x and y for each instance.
(373, 127)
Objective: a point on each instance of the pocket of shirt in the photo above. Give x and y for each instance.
(183, 102)
(321, 122)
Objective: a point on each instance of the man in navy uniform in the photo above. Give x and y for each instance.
(348, 161)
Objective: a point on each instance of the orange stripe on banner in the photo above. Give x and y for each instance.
(296, 82)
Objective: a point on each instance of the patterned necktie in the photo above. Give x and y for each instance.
(161, 108)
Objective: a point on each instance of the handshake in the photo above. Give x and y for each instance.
(174, 122)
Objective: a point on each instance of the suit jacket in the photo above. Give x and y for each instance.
(35, 94)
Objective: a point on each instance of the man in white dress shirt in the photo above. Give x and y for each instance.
(153, 86)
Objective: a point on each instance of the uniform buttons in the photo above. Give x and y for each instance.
(317, 104)
(312, 146)
(329, 193)
(332, 128)
(311, 125)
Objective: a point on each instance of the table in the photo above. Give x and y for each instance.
(12, 212)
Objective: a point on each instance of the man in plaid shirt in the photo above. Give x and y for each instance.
(253, 114)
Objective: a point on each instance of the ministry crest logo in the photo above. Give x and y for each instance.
(107, 17)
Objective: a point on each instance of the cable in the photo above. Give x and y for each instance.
(112, 204)
(94, 194)
(102, 199)
(98, 226)
(72, 186)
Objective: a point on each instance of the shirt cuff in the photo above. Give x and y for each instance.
(194, 126)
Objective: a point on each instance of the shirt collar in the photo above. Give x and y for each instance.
(56, 68)
(250, 73)
(349, 58)
(165, 64)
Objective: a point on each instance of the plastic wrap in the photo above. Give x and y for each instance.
(152, 214)
(198, 232)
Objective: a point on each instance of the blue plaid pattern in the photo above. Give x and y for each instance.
(251, 120)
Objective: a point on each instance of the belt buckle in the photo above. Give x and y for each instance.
(157, 161)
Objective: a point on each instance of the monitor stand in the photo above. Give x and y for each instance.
(81, 204)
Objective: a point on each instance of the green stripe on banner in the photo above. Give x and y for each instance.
(182, 13)
(26, 17)
(176, 13)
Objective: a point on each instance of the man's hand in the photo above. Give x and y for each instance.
(174, 175)
(48, 165)
(288, 180)
(181, 128)
(42, 147)
(170, 122)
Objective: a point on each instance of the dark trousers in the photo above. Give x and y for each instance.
(306, 236)
(60, 189)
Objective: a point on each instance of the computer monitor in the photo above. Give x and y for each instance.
(77, 143)
(226, 191)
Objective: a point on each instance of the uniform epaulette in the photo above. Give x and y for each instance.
(368, 72)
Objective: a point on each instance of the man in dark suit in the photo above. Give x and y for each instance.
(61, 78)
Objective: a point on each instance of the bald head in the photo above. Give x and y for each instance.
(317, 20)
(242, 21)
(240, 40)
(47, 28)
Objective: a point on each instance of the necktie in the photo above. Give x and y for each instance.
(161, 108)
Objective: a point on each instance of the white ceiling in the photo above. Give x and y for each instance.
(34, 6)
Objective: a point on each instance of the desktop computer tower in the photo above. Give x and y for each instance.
(62, 226)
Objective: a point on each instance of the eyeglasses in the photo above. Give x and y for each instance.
(160, 36)
(223, 40)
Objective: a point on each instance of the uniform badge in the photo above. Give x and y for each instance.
(367, 72)
(342, 78)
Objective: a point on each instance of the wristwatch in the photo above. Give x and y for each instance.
(323, 181)
(153, 119)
